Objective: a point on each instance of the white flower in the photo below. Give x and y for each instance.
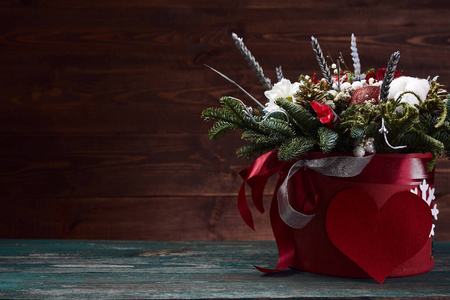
(283, 89)
(333, 93)
(357, 85)
(345, 86)
(271, 107)
(402, 84)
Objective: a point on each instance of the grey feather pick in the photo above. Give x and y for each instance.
(355, 58)
(279, 71)
(389, 75)
(321, 60)
(252, 61)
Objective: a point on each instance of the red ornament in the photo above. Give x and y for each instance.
(378, 240)
(365, 93)
(326, 115)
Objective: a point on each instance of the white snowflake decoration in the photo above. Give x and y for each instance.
(427, 194)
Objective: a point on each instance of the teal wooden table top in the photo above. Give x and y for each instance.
(131, 269)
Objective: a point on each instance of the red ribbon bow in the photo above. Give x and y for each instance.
(256, 175)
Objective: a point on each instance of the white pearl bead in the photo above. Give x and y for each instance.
(359, 151)
(369, 147)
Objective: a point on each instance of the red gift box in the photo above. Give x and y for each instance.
(374, 224)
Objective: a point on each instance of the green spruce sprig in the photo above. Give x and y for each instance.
(389, 75)
(327, 139)
(251, 61)
(229, 117)
(301, 117)
(321, 60)
(293, 148)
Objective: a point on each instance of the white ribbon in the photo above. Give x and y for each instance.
(335, 166)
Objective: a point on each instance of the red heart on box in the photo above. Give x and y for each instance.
(378, 241)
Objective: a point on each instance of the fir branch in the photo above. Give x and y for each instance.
(444, 137)
(437, 108)
(277, 125)
(355, 58)
(274, 132)
(327, 139)
(306, 121)
(238, 109)
(293, 148)
(220, 128)
(252, 61)
(252, 136)
(421, 142)
(321, 60)
(427, 122)
(221, 113)
(232, 111)
(389, 76)
(279, 73)
(400, 119)
(273, 138)
(253, 149)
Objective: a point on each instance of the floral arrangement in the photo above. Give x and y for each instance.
(347, 111)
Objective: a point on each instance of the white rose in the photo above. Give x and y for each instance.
(283, 89)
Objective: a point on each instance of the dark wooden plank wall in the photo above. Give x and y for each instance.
(100, 129)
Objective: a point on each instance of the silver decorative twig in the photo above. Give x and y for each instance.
(383, 130)
(251, 61)
(248, 111)
(338, 66)
(389, 76)
(237, 85)
(279, 73)
(321, 60)
(355, 58)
